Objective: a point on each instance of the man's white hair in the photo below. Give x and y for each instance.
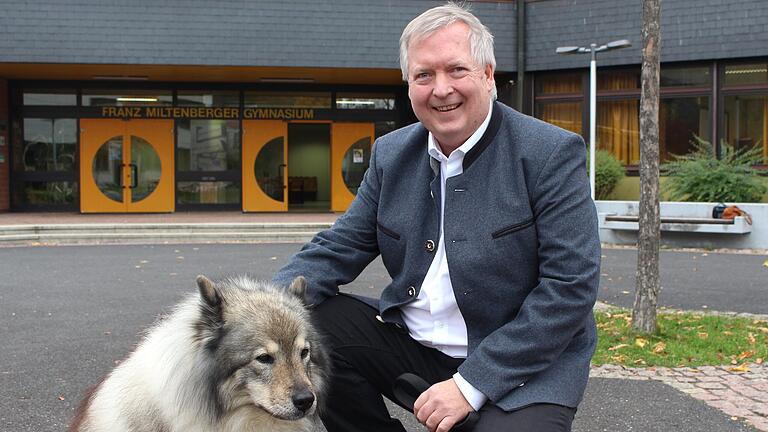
(480, 38)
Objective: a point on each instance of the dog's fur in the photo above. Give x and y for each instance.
(239, 356)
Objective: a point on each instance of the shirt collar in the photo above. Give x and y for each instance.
(434, 150)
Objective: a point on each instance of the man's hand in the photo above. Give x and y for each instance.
(441, 406)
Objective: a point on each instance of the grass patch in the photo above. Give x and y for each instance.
(682, 339)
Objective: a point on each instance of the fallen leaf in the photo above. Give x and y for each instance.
(739, 369)
(734, 418)
(759, 360)
(640, 362)
(765, 263)
(704, 306)
(745, 354)
(641, 342)
(703, 335)
(625, 292)
(619, 346)
(659, 348)
(705, 254)
(143, 262)
(751, 338)
(763, 329)
(621, 358)
(273, 258)
(727, 333)
(61, 398)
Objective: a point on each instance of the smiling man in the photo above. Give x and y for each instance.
(483, 219)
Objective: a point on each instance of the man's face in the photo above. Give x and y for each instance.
(450, 93)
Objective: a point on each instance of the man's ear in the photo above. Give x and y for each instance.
(489, 79)
(208, 291)
(299, 288)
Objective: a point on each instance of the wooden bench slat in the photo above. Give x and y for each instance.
(678, 220)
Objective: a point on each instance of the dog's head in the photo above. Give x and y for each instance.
(266, 354)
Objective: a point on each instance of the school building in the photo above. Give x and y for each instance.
(271, 106)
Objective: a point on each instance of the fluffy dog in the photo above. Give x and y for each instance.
(240, 356)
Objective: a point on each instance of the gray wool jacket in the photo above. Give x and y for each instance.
(521, 240)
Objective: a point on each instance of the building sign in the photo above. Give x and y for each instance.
(140, 112)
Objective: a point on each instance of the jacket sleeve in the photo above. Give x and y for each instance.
(558, 307)
(338, 255)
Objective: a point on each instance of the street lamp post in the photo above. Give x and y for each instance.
(593, 49)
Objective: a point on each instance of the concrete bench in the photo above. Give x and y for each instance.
(737, 225)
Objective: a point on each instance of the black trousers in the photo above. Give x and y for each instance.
(368, 355)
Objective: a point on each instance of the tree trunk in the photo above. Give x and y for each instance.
(647, 280)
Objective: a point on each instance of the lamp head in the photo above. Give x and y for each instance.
(623, 43)
(567, 50)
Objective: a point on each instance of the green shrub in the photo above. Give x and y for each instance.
(700, 176)
(608, 173)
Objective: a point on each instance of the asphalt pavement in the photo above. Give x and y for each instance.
(68, 313)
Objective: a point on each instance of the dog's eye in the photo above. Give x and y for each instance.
(265, 358)
(304, 353)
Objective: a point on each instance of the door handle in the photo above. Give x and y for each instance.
(281, 172)
(134, 175)
(122, 176)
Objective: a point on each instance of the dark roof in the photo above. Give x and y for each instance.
(690, 30)
(338, 33)
(357, 33)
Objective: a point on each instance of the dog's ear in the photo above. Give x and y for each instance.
(208, 291)
(299, 288)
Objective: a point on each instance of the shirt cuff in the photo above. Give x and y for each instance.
(474, 396)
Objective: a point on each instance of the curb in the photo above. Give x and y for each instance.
(158, 233)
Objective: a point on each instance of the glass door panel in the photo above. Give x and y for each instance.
(145, 169)
(265, 164)
(269, 169)
(351, 145)
(107, 168)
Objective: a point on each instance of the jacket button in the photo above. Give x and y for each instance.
(429, 245)
(412, 291)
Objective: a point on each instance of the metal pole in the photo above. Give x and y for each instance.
(592, 118)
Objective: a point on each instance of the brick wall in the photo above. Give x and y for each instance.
(5, 162)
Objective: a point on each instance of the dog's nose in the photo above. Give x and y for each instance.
(303, 400)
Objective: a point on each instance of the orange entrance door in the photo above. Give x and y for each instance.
(351, 145)
(126, 166)
(265, 166)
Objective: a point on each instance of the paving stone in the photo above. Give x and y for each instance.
(710, 379)
(710, 385)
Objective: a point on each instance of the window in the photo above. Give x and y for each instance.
(681, 120)
(52, 97)
(208, 98)
(698, 76)
(746, 122)
(564, 83)
(208, 192)
(566, 115)
(288, 100)
(208, 145)
(101, 97)
(745, 74)
(49, 145)
(41, 193)
(365, 101)
(618, 80)
(618, 129)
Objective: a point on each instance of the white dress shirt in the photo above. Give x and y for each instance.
(434, 319)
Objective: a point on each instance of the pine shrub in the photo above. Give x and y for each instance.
(699, 176)
(608, 173)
